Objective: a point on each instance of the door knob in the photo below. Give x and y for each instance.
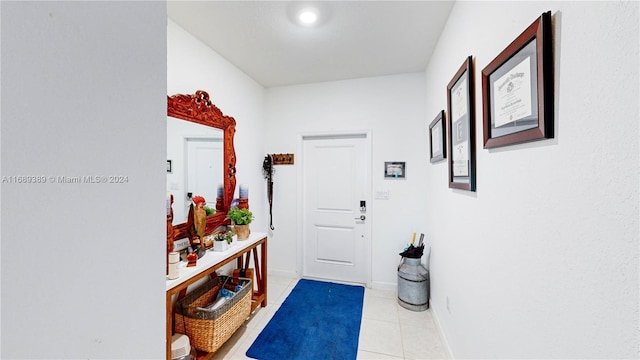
(362, 217)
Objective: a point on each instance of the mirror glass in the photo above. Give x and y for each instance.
(201, 161)
(196, 154)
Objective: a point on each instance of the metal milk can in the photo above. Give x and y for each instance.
(413, 285)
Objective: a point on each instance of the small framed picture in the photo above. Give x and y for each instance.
(395, 170)
(437, 138)
(169, 171)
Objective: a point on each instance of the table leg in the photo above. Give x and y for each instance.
(263, 271)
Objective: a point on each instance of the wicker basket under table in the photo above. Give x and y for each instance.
(208, 330)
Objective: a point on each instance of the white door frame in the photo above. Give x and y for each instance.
(300, 203)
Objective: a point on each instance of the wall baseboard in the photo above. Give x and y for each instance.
(378, 285)
(283, 273)
(436, 319)
(381, 285)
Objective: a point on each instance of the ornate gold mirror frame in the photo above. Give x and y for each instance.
(199, 109)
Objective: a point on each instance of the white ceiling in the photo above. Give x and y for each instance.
(354, 39)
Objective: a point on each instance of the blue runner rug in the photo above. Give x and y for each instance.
(318, 320)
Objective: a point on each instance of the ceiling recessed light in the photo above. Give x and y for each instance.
(308, 16)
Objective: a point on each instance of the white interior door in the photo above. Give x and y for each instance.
(336, 244)
(204, 168)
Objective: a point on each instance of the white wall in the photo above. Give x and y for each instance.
(392, 107)
(83, 93)
(542, 262)
(193, 66)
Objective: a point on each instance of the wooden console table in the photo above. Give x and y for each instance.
(212, 261)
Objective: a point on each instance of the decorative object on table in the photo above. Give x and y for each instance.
(222, 240)
(395, 170)
(198, 225)
(200, 216)
(461, 129)
(220, 246)
(174, 260)
(517, 89)
(413, 278)
(180, 246)
(220, 198)
(333, 311)
(209, 329)
(243, 191)
(268, 171)
(208, 241)
(241, 219)
(437, 138)
(200, 250)
(192, 258)
(243, 197)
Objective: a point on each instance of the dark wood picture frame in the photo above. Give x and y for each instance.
(461, 144)
(437, 138)
(517, 89)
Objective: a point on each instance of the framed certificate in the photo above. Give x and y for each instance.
(517, 89)
(461, 128)
(437, 138)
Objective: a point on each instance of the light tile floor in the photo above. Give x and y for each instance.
(387, 331)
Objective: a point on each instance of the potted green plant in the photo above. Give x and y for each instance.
(222, 240)
(241, 219)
